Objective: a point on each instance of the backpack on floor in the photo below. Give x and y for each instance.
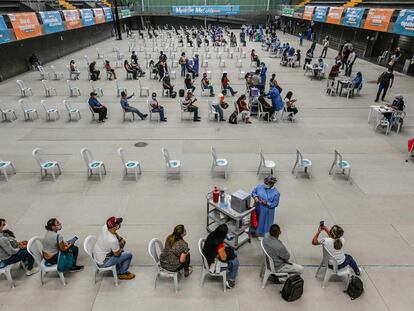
(293, 288)
(181, 92)
(233, 118)
(355, 288)
(173, 94)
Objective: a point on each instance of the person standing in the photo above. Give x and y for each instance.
(313, 47)
(385, 81)
(263, 73)
(301, 37)
(350, 62)
(325, 47)
(266, 199)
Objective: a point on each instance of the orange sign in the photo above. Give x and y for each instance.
(378, 19)
(335, 15)
(72, 19)
(99, 16)
(308, 13)
(25, 25)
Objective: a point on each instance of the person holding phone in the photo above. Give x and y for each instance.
(54, 242)
(290, 105)
(176, 254)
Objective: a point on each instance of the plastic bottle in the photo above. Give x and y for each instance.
(216, 195)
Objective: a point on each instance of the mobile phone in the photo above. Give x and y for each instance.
(74, 239)
(321, 223)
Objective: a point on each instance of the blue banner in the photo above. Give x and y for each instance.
(87, 17)
(108, 14)
(405, 23)
(52, 21)
(353, 17)
(4, 31)
(320, 14)
(206, 10)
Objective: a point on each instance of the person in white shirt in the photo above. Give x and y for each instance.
(218, 102)
(109, 249)
(325, 47)
(349, 63)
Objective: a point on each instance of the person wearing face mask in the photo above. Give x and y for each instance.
(156, 107)
(53, 242)
(266, 199)
(109, 249)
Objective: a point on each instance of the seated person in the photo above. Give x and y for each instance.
(97, 107)
(167, 85)
(205, 83)
(266, 106)
(255, 58)
(13, 251)
(218, 103)
(134, 58)
(53, 243)
(93, 71)
(397, 105)
(130, 69)
(109, 249)
(109, 70)
(225, 84)
(176, 254)
(335, 70)
(244, 108)
(278, 252)
(334, 243)
(74, 69)
(127, 108)
(290, 105)
(156, 107)
(357, 81)
(189, 83)
(308, 58)
(216, 253)
(188, 102)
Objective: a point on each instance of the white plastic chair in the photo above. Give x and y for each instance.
(4, 165)
(242, 74)
(151, 113)
(223, 163)
(143, 90)
(35, 248)
(96, 89)
(212, 111)
(382, 57)
(92, 165)
(268, 268)
(397, 119)
(49, 91)
(301, 164)
(99, 54)
(172, 166)
(183, 110)
(87, 61)
(265, 164)
(155, 248)
(74, 91)
(7, 114)
(383, 123)
(45, 165)
(7, 273)
(206, 268)
(72, 75)
(88, 246)
(261, 113)
(71, 110)
(28, 111)
(24, 90)
(43, 74)
(340, 165)
(119, 88)
(204, 91)
(50, 112)
(129, 165)
(57, 75)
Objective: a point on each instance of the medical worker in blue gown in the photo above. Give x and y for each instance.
(266, 198)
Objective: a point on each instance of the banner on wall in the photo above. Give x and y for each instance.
(25, 25)
(320, 14)
(288, 12)
(4, 31)
(405, 23)
(378, 19)
(353, 17)
(308, 13)
(125, 13)
(72, 19)
(206, 10)
(99, 16)
(108, 14)
(52, 21)
(87, 17)
(335, 15)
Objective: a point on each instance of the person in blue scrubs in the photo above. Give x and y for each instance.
(274, 95)
(263, 72)
(266, 199)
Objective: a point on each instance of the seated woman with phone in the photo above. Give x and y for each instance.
(53, 243)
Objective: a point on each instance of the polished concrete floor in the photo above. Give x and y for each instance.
(375, 209)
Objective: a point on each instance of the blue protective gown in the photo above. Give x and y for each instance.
(265, 213)
(263, 75)
(277, 101)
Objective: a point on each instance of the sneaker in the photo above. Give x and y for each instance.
(126, 276)
(376, 100)
(187, 273)
(230, 284)
(33, 271)
(101, 121)
(223, 120)
(197, 120)
(164, 120)
(76, 268)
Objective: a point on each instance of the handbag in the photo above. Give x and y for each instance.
(65, 259)
(224, 105)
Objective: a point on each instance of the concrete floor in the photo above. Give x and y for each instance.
(375, 210)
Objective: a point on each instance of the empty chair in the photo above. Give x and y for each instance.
(35, 248)
(71, 111)
(242, 74)
(222, 163)
(155, 248)
(212, 111)
(268, 268)
(73, 90)
(340, 165)
(4, 166)
(129, 165)
(88, 246)
(51, 112)
(206, 268)
(57, 75)
(172, 166)
(99, 54)
(119, 89)
(143, 90)
(96, 89)
(7, 114)
(222, 63)
(87, 61)
(265, 164)
(397, 119)
(383, 123)
(92, 165)
(382, 57)
(49, 90)
(43, 74)
(46, 165)
(24, 90)
(28, 111)
(301, 164)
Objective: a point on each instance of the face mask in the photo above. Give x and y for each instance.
(5, 227)
(59, 227)
(268, 186)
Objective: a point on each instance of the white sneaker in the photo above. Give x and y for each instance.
(33, 271)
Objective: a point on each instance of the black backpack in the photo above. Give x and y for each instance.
(355, 288)
(181, 92)
(233, 118)
(293, 288)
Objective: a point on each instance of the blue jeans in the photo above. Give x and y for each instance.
(210, 87)
(219, 110)
(135, 110)
(123, 261)
(382, 88)
(160, 111)
(233, 268)
(183, 67)
(229, 88)
(21, 255)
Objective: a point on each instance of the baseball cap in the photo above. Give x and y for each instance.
(113, 221)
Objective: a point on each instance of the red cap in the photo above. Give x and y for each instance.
(113, 221)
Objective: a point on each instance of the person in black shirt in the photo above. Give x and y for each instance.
(134, 58)
(397, 105)
(93, 71)
(385, 81)
(189, 83)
